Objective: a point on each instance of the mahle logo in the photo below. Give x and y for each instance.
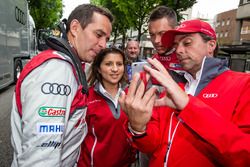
(52, 111)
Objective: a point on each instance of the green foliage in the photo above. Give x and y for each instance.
(46, 13)
(134, 13)
(137, 12)
(178, 5)
(120, 24)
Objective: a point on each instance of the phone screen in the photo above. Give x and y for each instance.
(137, 67)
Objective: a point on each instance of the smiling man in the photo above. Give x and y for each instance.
(54, 80)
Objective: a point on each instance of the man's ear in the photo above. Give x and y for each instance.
(74, 25)
(211, 46)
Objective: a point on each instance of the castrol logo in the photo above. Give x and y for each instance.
(51, 111)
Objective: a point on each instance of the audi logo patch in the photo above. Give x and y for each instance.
(56, 89)
(210, 95)
(20, 16)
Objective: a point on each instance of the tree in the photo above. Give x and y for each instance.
(134, 13)
(120, 24)
(46, 13)
(178, 5)
(137, 11)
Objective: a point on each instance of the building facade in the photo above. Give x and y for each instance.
(226, 27)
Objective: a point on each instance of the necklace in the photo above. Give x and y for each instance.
(170, 137)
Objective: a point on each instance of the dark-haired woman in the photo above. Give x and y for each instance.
(106, 143)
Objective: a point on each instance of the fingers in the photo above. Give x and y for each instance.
(137, 104)
(140, 91)
(165, 101)
(158, 75)
(157, 65)
(122, 102)
(150, 103)
(160, 102)
(133, 85)
(149, 95)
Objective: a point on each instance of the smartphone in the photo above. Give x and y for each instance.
(137, 67)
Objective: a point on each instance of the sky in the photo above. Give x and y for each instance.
(70, 5)
(209, 8)
(203, 8)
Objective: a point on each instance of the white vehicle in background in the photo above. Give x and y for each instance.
(17, 39)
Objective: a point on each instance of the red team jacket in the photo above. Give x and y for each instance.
(169, 61)
(106, 144)
(213, 130)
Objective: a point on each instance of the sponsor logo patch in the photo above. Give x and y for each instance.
(56, 89)
(210, 95)
(54, 144)
(51, 111)
(49, 128)
(165, 58)
(174, 65)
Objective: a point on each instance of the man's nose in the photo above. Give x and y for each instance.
(179, 51)
(102, 43)
(157, 39)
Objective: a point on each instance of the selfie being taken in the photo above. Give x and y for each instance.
(125, 83)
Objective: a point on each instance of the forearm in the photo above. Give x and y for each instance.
(148, 141)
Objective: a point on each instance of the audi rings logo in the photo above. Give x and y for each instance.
(56, 89)
(210, 95)
(20, 16)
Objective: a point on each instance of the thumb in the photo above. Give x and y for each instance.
(160, 102)
(165, 101)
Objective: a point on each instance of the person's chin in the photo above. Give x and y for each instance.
(90, 58)
(161, 50)
(186, 66)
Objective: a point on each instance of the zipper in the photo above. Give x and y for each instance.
(93, 148)
(170, 137)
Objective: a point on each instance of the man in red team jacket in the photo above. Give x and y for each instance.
(208, 123)
(161, 20)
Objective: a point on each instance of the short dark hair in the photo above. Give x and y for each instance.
(207, 38)
(163, 11)
(84, 13)
(95, 75)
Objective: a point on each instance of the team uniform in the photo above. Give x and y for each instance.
(169, 61)
(106, 144)
(212, 130)
(48, 130)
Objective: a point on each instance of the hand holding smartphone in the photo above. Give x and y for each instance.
(139, 68)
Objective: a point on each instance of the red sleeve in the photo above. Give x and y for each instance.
(230, 138)
(150, 141)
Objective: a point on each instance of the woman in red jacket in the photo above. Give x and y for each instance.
(106, 143)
